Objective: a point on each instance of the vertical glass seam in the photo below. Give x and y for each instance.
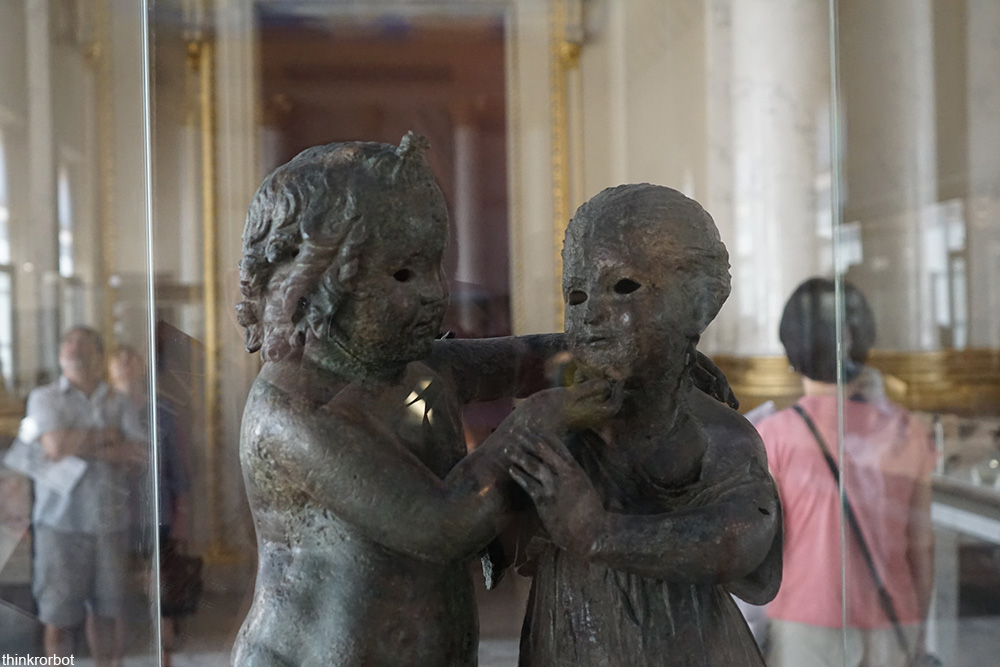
(147, 144)
(836, 220)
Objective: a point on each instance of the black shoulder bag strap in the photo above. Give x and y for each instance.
(852, 520)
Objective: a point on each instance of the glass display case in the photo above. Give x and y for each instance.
(845, 140)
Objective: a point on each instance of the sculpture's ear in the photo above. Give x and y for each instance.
(252, 336)
(702, 306)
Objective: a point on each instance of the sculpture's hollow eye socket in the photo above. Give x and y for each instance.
(576, 297)
(626, 286)
(403, 275)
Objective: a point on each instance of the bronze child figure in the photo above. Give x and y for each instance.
(653, 519)
(366, 511)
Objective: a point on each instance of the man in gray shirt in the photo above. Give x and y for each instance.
(80, 532)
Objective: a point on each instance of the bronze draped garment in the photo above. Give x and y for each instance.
(585, 613)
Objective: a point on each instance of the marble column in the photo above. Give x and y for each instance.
(768, 166)
(889, 163)
(983, 213)
(40, 323)
(191, 317)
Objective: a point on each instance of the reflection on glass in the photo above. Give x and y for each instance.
(4, 205)
(729, 101)
(6, 328)
(65, 215)
(6, 276)
(71, 214)
(921, 174)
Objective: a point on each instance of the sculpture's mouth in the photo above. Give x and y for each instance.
(424, 331)
(428, 324)
(604, 351)
(594, 340)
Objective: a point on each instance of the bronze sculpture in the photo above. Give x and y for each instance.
(653, 519)
(366, 507)
(366, 511)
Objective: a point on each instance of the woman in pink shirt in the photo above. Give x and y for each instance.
(886, 466)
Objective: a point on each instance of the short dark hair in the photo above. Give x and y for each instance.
(808, 330)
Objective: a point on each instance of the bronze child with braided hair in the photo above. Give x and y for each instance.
(366, 506)
(654, 518)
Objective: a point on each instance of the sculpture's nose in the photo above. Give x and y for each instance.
(433, 291)
(596, 310)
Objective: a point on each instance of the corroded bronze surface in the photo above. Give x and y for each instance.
(654, 495)
(352, 451)
(653, 519)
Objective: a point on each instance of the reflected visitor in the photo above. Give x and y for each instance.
(92, 437)
(127, 375)
(365, 510)
(889, 458)
(652, 520)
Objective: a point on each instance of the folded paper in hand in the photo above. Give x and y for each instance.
(29, 460)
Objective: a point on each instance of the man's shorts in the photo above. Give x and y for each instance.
(77, 572)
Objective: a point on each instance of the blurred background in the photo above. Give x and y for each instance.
(841, 138)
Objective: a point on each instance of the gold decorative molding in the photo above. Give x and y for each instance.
(201, 60)
(756, 380)
(963, 382)
(564, 57)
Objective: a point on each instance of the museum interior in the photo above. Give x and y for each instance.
(848, 140)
